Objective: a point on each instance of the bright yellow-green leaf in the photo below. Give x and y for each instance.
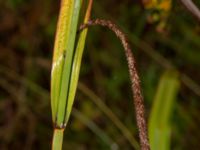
(66, 65)
(63, 57)
(77, 63)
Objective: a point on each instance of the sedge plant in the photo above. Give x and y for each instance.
(68, 51)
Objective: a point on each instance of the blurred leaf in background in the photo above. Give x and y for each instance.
(162, 110)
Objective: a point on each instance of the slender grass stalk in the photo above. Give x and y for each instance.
(192, 8)
(135, 81)
(156, 56)
(57, 139)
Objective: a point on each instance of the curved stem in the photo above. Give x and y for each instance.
(135, 81)
(192, 8)
(57, 139)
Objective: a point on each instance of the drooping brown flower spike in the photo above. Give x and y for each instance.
(135, 81)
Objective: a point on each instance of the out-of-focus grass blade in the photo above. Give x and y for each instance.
(96, 130)
(63, 57)
(159, 122)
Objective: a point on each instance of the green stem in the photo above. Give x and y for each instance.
(57, 139)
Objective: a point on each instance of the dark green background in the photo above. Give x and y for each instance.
(27, 29)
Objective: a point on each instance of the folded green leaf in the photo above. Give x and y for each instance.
(63, 58)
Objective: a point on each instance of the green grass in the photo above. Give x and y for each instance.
(66, 65)
(62, 59)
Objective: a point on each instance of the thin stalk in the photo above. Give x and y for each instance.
(157, 57)
(135, 81)
(57, 139)
(192, 8)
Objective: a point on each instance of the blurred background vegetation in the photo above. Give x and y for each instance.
(103, 115)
